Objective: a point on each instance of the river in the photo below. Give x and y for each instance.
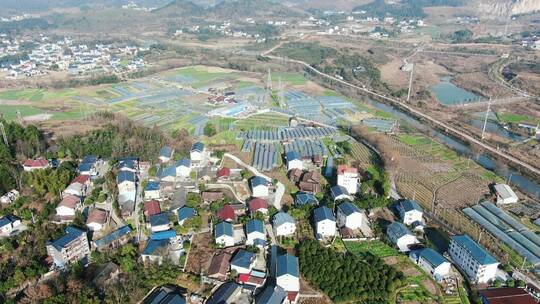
(525, 184)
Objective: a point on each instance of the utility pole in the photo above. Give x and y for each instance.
(269, 80)
(281, 94)
(19, 117)
(486, 118)
(410, 83)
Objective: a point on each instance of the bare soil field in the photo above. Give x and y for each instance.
(200, 254)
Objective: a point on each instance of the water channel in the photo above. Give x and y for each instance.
(525, 184)
(449, 94)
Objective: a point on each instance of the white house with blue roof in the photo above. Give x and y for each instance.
(256, 235)
(72, 247)
(288, 275)
(167, 174)
(183, 168)
(325, 222)
(155, 251)
(224, 234)
(399, 235)
(8, 223)
(294, 161)
(243, 261)
(340, 193)
(126, 181)
(259, 186)
(350, 216)
(432, 262)
(185, 213)
(196, 154)
(284, 224)
(152, 191)
(165, 154)
(473, 259)
(410, 212)
(305, 198)
(130, 164)
(159, 222)
(271, 294)
(87, 166)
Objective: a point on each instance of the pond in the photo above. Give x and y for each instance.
(449, 94)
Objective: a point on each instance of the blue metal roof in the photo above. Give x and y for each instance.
(198, 146)
(254, 225)
(166, 152)
(152, 186)
(323, 213)
(125, 176)
(224, 228)
(281, 218)
(243, 258)
(272, 294)
(223, 293)
(7, 220)
(72, 233)
(168, 171)
(477, 252)
(338, 190)
(396, 230)
(154, 245)
(287, 264)
(257, 181)
(91, 159)
(186, 212)
(304, 198)
(159, 219)
(184, 162)
(83, 167)
(117, 234)
(127, 163)
(348, 208)
(409, 205)
(292, 155)
(163, 235)
(431, 256)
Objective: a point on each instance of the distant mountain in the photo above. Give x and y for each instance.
(21, 6)
(179, 8)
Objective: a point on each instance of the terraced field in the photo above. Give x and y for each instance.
(265, 121)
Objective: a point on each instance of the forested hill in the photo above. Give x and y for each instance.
(403, 9)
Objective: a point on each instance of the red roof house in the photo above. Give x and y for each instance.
(258, 204)
(151, 208)
(227, 213)
(223, 173)
(35, 164)
(81, 179)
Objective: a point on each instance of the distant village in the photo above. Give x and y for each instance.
(33, 57)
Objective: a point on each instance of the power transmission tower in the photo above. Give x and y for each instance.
(281, 94)
(3, 133)
(486, 118)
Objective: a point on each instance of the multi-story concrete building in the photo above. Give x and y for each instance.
(472, 259)
(70, 248)
(347, 177)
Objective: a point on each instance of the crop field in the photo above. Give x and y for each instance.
(290, 78)
(377, 248)
(362, 154)
(265, 121)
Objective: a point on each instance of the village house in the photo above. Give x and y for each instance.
(88, 165)
(210, 197)
(223, 173)
(224, 234)
(243, 261)
(97, 219)
(114, 239)
(271, 294)
(506, 295)
(325, 222)
(256, 235)
(78, 186)
(295, 175)
(196, 154)
(67, 207)
(432, 262)
(155, 251)
(167, 174)
(130, 164)
(340, 193)
(166, 154)
(10, 197)
(126, 181)
(347, 177)
(259, 186)
(410, 212)
(473, 259)
(399, 235)
(294, 161)
(152, 190)
(8, 224)
(288, 276)
(219, 266)
(183, 168)
(151, 208)
(35, 164)
(227, 214)
(284, 224)
(70, 248)
(310, 182)
(184, 214)
(350, 216)
(505, 194)
(258, 205)
(304, 198)
(159, 222)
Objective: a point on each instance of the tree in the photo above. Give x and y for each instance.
(209, 130)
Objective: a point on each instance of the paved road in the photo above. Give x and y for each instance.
(448, 128)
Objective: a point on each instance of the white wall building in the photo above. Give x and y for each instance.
(505, 194)
(350, 216)
(432, 262)
(325, 222)
(410, 212)
(284, 224)
(348, 177)
(401, 236)
(473, 259)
